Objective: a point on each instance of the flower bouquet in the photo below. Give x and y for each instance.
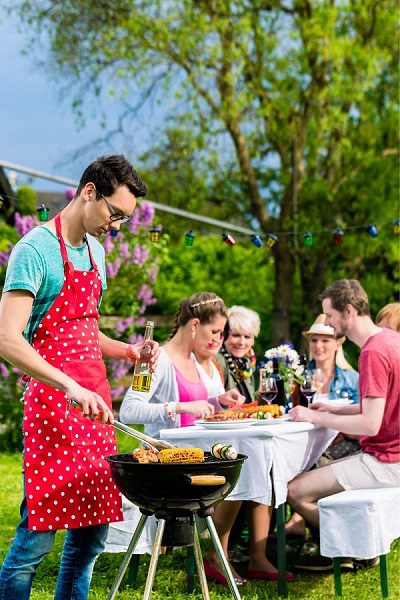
(289, 362)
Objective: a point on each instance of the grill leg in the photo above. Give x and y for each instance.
(200, 564)
(154, 560)
(127, 557)
(222, 558)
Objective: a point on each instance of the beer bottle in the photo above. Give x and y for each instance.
(304, 362)
(141, 372)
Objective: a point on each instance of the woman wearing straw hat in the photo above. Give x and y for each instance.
(326, 353)
(340, 384)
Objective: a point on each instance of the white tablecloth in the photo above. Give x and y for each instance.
(276, 453)
(120, 534)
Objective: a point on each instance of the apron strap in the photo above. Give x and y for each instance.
(68, 266)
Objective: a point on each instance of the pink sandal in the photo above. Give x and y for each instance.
(215, 575)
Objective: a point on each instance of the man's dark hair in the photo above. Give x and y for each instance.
(110, 172)
(347, 291)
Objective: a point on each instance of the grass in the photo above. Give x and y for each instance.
(170, 582)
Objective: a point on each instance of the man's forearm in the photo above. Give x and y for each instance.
(358, 424)
(112, 348)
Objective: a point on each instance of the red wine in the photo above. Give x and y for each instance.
(268, 396)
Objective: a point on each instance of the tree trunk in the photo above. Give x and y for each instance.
(284, 271)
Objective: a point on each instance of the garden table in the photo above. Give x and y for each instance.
(277, 452)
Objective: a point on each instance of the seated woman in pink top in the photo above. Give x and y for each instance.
(178, 396)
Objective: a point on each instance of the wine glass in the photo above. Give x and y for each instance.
(307, 386)
(319, 379)
(268, 388)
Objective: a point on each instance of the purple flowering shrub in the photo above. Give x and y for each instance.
(132, 269)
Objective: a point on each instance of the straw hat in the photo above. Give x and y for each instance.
(319, 328)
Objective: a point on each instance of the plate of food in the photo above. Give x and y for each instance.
(228, 424)
(273, 421)
(337, 402)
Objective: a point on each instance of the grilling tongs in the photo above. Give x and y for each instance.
(156, 444)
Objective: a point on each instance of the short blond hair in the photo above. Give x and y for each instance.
(244, 319)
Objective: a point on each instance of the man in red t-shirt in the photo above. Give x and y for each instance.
(376, 420)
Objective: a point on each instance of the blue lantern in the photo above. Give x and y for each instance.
(372, 231)
(257, 241)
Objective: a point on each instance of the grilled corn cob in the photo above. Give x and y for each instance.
(181, 455)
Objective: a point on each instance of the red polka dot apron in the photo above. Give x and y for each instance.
(68, 481)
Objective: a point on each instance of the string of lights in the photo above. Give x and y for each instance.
(258, 239)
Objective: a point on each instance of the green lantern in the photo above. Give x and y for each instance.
(308, 239)
(189, 238)
(43, 213)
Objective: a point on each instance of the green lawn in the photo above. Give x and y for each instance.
(170, 583)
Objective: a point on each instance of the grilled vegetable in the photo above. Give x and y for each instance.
(216, 450)
(181, 455)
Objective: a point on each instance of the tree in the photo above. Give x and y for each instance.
(296, 98)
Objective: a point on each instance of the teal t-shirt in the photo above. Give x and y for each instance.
(36, 265)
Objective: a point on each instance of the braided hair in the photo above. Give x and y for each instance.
(203, 306)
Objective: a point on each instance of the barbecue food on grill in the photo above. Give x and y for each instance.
(216, 450)
(181, 455)
(145, 455)
(224, 452)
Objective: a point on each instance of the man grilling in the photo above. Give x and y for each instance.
(49, 330)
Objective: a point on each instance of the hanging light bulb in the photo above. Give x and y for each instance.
(257, 241)
(396, 228)
(155, 233)
(372, 231)
(338, 234)
(189, 238)
(308, 239)
(228, 239)
(43, 213)
(271, 240)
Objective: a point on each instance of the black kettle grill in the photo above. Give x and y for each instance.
(174, 493)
